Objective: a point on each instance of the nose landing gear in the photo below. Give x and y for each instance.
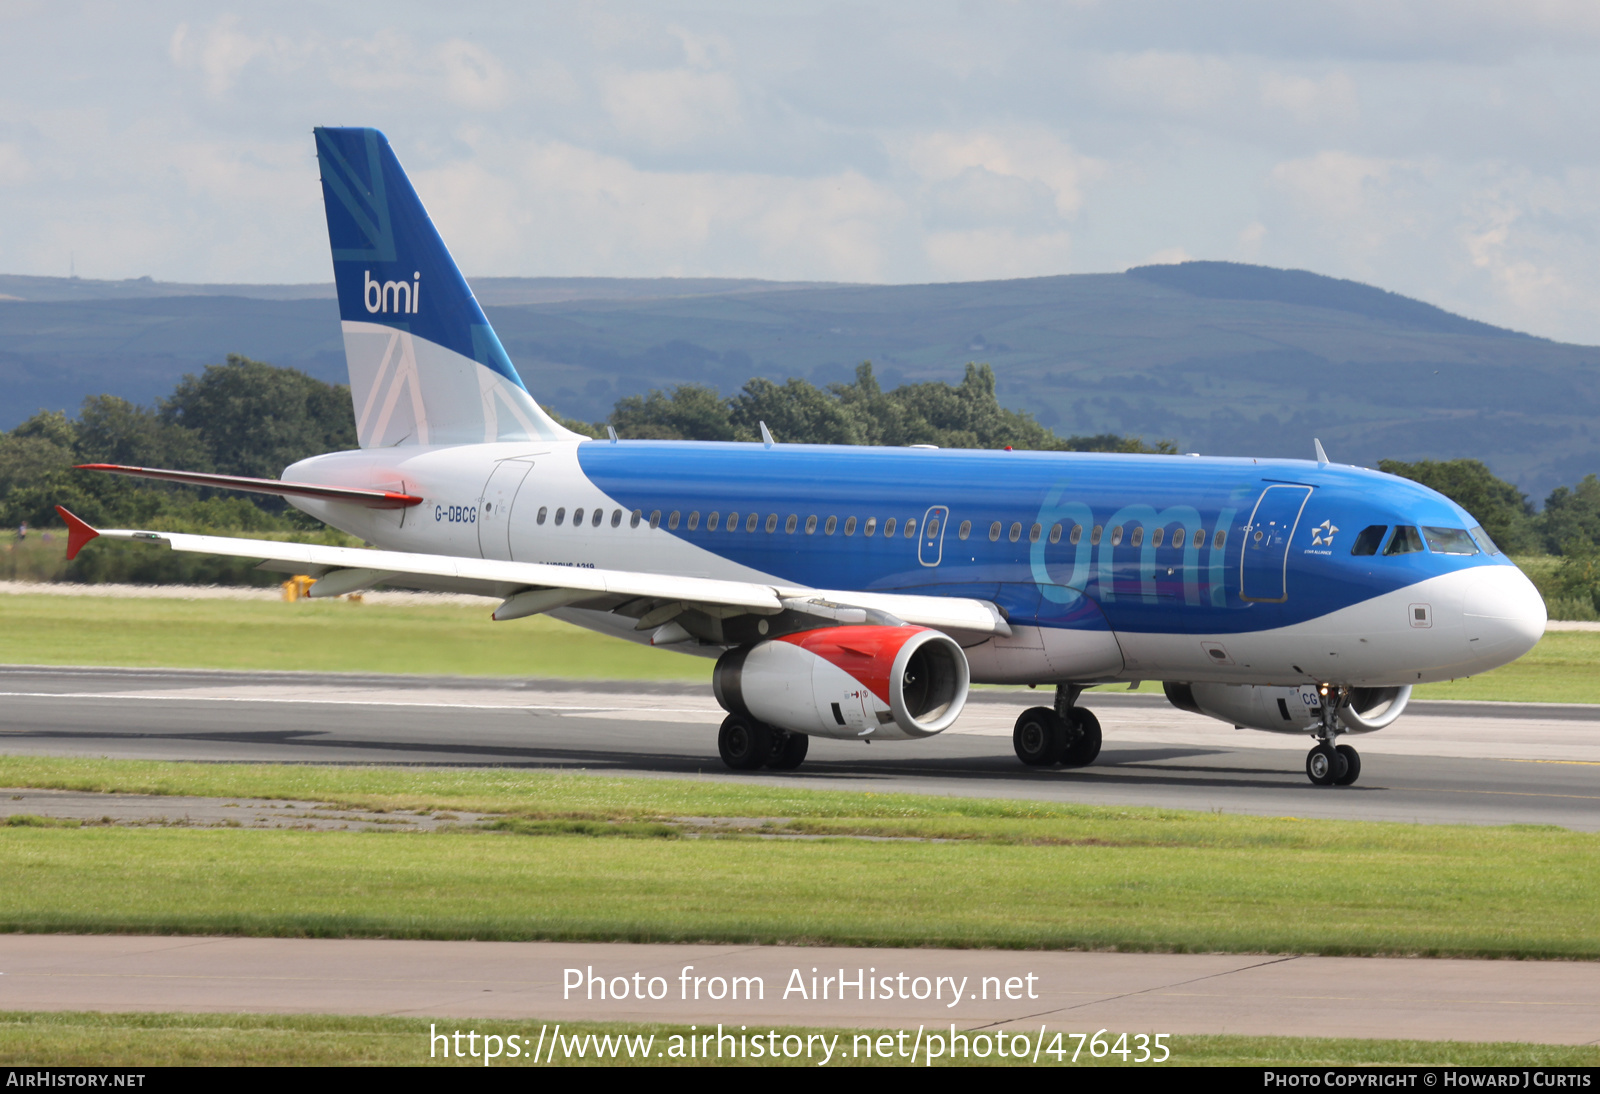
(1329, 763)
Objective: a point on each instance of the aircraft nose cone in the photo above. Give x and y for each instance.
(1503, 613)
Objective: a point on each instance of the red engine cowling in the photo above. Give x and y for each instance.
(873, 683)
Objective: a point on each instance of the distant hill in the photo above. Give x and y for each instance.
(1221, 357)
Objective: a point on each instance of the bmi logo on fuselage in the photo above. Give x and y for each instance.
(402, 297)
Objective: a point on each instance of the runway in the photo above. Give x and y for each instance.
(1473, 763)
(517, 983)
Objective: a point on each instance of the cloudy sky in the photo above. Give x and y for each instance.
(1446, 150)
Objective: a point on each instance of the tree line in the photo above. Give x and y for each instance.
(247, 417)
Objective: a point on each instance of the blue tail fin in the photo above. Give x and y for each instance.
(425, 366)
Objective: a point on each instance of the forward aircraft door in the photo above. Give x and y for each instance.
(931, 547)
(494, 512)
(1264, 558)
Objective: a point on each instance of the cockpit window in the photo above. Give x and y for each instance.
(1450, 541)
(1489, 546)
(1405, 540)
(1370, 538)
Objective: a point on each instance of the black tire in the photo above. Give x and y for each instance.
(1324, 765)
(745, 743)
(1037, 736)
(789, 751)
(1084, 738)
(1352, 768)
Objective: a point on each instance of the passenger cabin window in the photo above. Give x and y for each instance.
(733, 522)
(1177, 537)
(753, 519)
(1094, 535)
(1055, 533)
(1016, 532)
(772, 523)
(965, 530)
(1138, 536)
(1077, 535)
(811, 525)
(888, 527)
(694, 519)
(672, 521)
(872, 526)
(1405, 540)
(711, 521)
(599, 515)
(1116, 536)
(561, 515)
(1449, 541)
(577, 516)
(849, 526)
(828, 529)
(543, 511)
(911, 528)
(655, 518)
(994, 531)
(1157, 536)
(1219, 539)
(1035, 532)
(616, 518)
(1489, 546)
(1369, 540)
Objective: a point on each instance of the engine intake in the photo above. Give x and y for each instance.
(870, 682)
(1287, 710)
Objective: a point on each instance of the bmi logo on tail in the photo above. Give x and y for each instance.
(405, 298)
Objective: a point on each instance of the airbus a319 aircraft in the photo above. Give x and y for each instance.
(857, 593)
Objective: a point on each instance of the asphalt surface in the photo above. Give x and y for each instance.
(524, 984)
(1475, 763)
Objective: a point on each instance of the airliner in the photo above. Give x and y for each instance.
(857, 593)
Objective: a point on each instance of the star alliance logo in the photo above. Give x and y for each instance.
(1322, 534)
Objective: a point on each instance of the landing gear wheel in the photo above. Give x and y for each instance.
(1352, 766)
(745, 743)
(1085, 742)
(789, 751)
(1038, 736)
(1325, 766)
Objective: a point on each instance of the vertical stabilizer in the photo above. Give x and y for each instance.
(425, 366)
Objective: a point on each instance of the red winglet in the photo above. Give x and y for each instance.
(78, 533)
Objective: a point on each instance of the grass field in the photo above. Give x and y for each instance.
(340, 636)
(964, 872)
(69, 1039)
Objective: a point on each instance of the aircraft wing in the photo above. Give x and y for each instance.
(528, 588)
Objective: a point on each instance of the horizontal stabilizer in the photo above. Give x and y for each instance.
(371, 499)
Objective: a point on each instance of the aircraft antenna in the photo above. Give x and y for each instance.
(766, 435)
(1322, 457)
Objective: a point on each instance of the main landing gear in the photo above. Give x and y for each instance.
(1329, 763)
(1068, 735)
(748, 745)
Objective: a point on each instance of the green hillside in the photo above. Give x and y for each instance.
(1218, 357)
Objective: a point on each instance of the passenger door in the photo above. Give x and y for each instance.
(1264, 557)
(494, 511)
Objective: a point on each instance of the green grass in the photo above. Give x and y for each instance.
(340, 636)
(1003, 874)
(319, 636)
(88, 1039)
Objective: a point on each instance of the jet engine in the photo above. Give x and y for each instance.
(1288, 710)
(869, 682)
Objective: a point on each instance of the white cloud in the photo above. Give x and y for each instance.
(1308, 101)
(668, 107)
(1168, 82)
(1032, 155)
